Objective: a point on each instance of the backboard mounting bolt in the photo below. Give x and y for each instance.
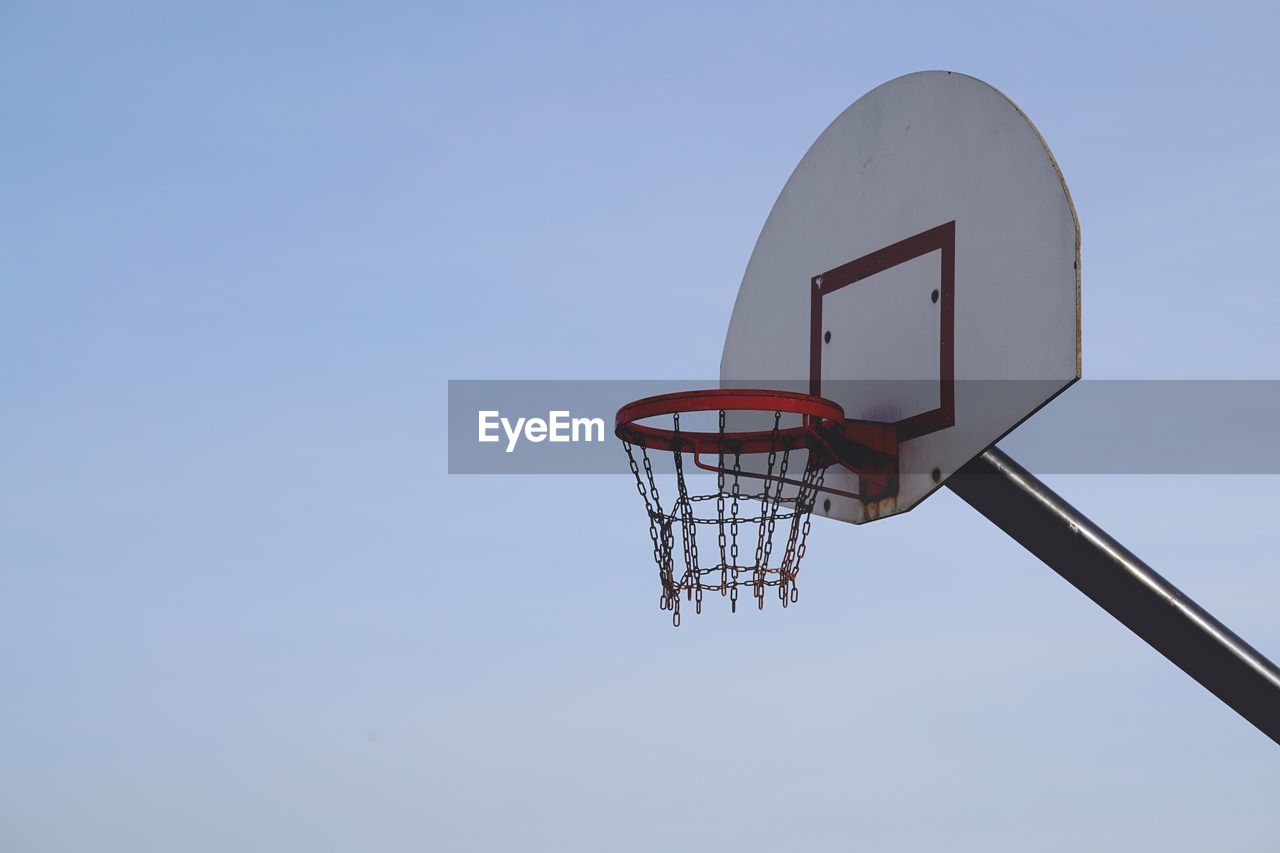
(827, 336)
(936, 474)
(826, 505)
(934, 296)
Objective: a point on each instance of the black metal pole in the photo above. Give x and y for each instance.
(1124, 586)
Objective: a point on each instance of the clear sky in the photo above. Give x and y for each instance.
(242, 605)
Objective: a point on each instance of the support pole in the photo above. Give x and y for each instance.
(1124, 586)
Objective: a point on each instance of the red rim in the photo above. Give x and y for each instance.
(730, 400)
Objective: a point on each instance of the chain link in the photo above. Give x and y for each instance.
(729, 574)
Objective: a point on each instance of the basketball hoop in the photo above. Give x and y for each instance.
(745, 521)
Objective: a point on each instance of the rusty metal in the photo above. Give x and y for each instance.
(824, 437)
(816, 411)
(781, 522)
(867, 448)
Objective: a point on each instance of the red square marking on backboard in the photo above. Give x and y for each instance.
(942, 238)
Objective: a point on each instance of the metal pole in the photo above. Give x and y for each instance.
(1124, 586)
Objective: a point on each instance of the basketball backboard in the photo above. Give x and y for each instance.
(920, 268)
(913, 297)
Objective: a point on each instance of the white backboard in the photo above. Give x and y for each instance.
(921, 266)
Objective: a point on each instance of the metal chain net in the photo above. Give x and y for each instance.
(746, 525)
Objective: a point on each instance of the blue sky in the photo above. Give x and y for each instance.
(242, 606)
